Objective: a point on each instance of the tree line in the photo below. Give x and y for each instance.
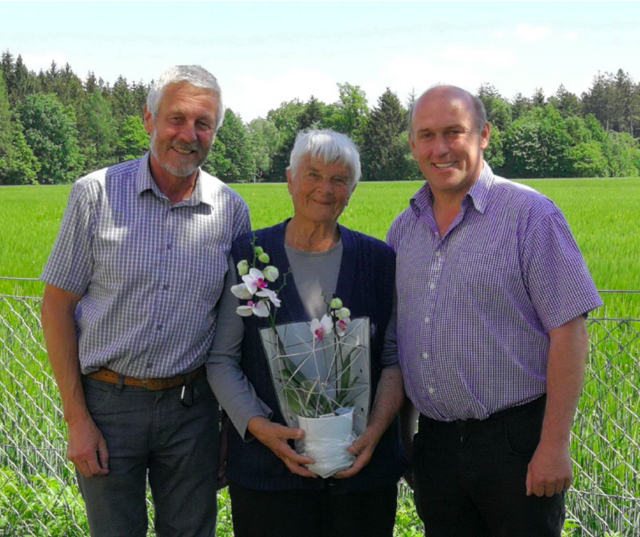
(55, 127)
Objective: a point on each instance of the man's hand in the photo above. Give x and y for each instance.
(275, 436)
(363, 449)
(87, 449)
(549, 471)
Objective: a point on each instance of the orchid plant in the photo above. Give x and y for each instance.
(307, 397)
(319, 397)
(261, 301)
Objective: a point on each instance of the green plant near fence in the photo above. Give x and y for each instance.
(38, 495)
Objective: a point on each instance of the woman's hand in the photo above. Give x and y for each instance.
(363, 449)
(275, 436)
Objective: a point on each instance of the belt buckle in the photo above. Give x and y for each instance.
(144, 384)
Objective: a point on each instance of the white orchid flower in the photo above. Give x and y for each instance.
(271, 295)
(341, 325)
(322, 327)
(271, 273)
(261, 309)
(241, 291)
(243, 267)
(254, 280)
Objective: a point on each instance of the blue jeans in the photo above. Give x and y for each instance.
(152, 433)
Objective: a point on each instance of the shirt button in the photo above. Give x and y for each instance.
(169, 246)
(148, 365)
(431, 390)
(427, 320)
(158, 327)
(438, 254)
(165, 287)
(432, 286)
(425, 355)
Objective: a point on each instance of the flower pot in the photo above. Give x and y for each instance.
(326, 441)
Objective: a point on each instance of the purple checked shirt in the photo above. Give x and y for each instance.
(475, 306)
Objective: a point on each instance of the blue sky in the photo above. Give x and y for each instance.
(264, 53)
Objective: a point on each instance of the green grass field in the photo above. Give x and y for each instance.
(604, 217)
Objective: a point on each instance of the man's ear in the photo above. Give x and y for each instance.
(412, 144)
(148, 120)
(485, 136)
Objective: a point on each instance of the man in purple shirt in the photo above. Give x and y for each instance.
(492, 298)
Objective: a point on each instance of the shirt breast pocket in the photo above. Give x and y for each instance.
(484, 274)
(207, 271)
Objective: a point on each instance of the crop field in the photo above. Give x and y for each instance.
(605, 218)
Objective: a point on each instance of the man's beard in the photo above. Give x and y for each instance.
(184, 168)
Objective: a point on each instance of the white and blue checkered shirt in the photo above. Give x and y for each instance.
(150, 273)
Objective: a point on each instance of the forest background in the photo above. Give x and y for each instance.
(56, 126)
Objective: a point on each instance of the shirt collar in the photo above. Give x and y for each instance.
(478, 193)
(144, 181)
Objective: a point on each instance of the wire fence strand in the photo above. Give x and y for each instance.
(39, 495)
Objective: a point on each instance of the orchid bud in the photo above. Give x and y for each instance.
(264, 258)
(336, 304)
(258, 250)
(243, 267)
(271, 273)
(344, 313)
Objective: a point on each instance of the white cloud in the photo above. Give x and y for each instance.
(498, 35)
(253, 96)
(478, 55)
(527, 32)
(35, 62)
(570, 36)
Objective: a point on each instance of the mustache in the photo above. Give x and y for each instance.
(194, 146)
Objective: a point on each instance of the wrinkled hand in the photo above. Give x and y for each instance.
(87, 449)
(549, 471)
(275, 436)
(363, 449)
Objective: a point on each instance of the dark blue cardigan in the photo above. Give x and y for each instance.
(365, 286)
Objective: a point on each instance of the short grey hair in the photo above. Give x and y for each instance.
(479, 111)
(329, 146)
(193, 74)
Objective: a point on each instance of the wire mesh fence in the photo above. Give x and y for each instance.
(39, 496)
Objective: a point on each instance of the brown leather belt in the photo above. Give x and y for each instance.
(106, 375)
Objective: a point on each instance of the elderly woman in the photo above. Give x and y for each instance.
(272, 492)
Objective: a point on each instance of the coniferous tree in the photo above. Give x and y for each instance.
(230, 158)
(384, 152)
(286, 118)
(98, 131)
(18, 165)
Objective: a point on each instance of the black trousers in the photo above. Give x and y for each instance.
(312, 513)
(470, 477)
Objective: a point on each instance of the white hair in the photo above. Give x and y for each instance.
(330, 146)
(193, 74)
